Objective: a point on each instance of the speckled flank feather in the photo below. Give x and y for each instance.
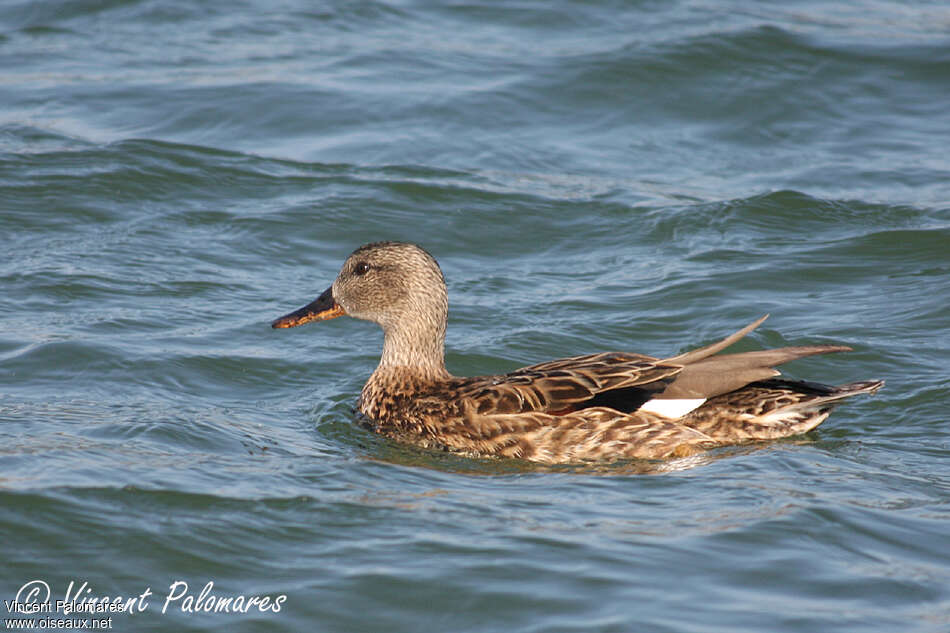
(574, 409)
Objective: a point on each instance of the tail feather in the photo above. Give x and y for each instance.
(705, 352)
(705, 375)
(709, 377)
(807, 414)
(771, 409)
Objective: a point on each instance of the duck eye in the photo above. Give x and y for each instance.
(361, 269)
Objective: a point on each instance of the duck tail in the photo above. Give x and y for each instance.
(705, 375)
(773, 408)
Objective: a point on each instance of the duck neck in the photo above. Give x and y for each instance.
(418, 347)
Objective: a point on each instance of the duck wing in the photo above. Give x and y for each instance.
(629, 382)
(616, 379)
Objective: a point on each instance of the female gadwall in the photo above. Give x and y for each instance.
(612, 405)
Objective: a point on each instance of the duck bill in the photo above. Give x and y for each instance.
(322, 308)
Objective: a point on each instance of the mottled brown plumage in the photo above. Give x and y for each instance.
(596, 407)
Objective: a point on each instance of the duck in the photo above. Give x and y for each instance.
(597, 407)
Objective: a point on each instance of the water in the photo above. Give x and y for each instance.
(639, 176)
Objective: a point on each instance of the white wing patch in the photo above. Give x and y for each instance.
(669, 408)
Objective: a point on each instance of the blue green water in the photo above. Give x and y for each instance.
(643, 176)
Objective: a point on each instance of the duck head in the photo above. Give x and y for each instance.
(397, 285)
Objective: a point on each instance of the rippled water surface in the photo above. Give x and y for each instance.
(644, 176)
